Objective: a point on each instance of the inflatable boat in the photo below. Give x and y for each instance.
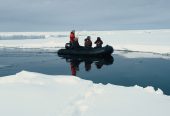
(83, 51)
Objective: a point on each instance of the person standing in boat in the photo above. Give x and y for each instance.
(88, 42)
(73, 40)
(98, 42)
(72, 37)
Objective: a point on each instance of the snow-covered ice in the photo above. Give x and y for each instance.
(34, 94)
(134, 54)
(156, 41)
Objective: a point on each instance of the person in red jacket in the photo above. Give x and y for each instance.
(72, 36)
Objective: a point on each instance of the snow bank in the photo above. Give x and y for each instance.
(156, 41)
(34, 94)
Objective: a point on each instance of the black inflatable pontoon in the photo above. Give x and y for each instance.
(103, 51)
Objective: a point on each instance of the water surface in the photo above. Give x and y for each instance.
(116, 69)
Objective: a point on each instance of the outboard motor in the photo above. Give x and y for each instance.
(67, 45)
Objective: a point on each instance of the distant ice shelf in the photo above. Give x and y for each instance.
(156, 41)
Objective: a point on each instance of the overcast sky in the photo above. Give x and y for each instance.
(64, 15)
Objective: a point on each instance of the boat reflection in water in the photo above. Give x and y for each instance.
(75, 61)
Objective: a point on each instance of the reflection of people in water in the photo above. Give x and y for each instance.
(74, 65)
(99, 65)
(87, 65)
(73, 69)
(75, 62)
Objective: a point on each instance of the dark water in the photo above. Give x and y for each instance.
(115, 69)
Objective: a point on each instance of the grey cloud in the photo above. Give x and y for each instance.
(52, 15)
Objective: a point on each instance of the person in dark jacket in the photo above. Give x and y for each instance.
(98, 42)
(76, 43)
(88, 42)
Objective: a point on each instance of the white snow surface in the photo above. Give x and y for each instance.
(134, 54)
(34, 94)
(156, 41)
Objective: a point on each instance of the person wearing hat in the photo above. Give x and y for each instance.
(88, 42)
(72, 36)
(98, 42)
(73, 40)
